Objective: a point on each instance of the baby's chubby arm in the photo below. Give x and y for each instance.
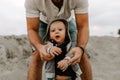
(53, 50)
(63, 64)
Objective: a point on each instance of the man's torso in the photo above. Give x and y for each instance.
(48, 9)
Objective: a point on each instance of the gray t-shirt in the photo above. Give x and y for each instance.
(47, 11)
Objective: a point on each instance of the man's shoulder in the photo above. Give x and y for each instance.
(74, 1)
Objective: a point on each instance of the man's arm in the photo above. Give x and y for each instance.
(83, 29)
(82, 37)
(32, 29)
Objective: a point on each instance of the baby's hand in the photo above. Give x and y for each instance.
(55, 51)
(63, 64)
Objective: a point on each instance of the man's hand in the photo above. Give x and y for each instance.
(77, 53)
(52, 52)
(43, 54)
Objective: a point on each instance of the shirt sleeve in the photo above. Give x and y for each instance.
(81, 6)
(31, 9)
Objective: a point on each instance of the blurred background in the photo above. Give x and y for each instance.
(103, 47)
(104, 17)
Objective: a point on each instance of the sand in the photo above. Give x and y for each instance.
(15, 53)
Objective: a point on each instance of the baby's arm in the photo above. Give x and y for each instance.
(53, 50)
(63, 64)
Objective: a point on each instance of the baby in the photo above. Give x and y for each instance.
(59, 44)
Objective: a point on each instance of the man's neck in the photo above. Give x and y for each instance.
(58, 3)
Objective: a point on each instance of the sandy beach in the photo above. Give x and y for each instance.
(104, 56)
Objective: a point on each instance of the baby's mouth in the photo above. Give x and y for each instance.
(57, 36)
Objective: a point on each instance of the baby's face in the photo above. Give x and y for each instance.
(57, 32)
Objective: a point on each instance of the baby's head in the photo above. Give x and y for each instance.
(58, 30)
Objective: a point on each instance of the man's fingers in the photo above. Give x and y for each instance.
(41, 56)
(78, 60)
(69, 53)
(74, 60)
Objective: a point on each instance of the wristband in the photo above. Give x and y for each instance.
(67, 58)
(82, 49)
(48, 49)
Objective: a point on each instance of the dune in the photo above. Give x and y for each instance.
(103, 52)
(104, 57)
(14, 54)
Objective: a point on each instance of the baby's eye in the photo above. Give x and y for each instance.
(53, 30)
(60, 29)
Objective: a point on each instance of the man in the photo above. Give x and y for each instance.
(39, 13)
